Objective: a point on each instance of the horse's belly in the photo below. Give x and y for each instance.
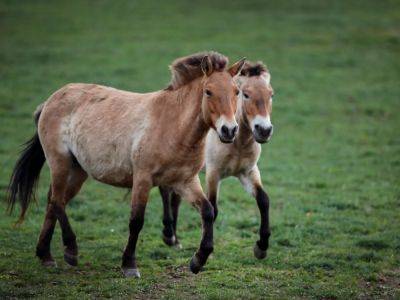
(113, 174)
(105, 157)
(106, 165)
(106, 149)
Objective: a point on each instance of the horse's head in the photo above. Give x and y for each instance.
(256, 98)
(219, 101)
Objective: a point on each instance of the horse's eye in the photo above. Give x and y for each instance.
(246, 96)
(208, 93)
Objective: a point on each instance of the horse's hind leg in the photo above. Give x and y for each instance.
(170, 213)
(59, 178)
(168, 231)
(76, 178)
(175, 203)
(43, 245)
(67, 179)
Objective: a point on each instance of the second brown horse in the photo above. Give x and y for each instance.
(238, 159)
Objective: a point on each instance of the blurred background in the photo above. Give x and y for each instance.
(331, 169)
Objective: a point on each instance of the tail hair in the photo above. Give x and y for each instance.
(38, 111)
(25, 176)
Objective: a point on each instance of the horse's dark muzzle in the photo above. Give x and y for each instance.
(263, 134)
(228, 134)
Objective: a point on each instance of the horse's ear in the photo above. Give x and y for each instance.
(206, 65)
(266, 76)
(237, 67)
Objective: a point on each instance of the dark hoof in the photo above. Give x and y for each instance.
(131, 272)
(172, 241)
(71, 259)
(195, 265)
(50, 263)
(258, 253)
(169, 240)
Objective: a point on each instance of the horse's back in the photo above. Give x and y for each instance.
(80, 93)
(90, 104)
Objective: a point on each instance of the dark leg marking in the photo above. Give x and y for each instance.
(171, 202)
(260, 249)
(168, 231)
(140, 193)
(68, 236)
(206, 245)
(213, 200)
(135, 225)
(46, 234)
(175, 203)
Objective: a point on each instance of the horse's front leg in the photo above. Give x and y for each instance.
(251, 181)
(212, 179)
(140, 194)
(193, 192)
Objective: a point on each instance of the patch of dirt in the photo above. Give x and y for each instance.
(175, 276)
(387, 286)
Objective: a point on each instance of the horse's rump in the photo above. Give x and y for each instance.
(100, 126)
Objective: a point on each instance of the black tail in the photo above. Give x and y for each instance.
(25, 175)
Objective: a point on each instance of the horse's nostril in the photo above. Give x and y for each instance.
(224, 130)
(256, 127)
(228, 133)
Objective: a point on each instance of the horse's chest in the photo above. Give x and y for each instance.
(238, 163)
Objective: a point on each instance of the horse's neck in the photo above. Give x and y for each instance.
(193, 127)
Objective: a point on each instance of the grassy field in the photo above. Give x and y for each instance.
(332, 168)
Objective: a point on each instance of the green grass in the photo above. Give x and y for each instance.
(332, 168)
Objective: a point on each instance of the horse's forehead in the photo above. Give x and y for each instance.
(258, 85)
(220, 80)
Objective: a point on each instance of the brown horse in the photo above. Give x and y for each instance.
(130, 140)
(238, 159)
